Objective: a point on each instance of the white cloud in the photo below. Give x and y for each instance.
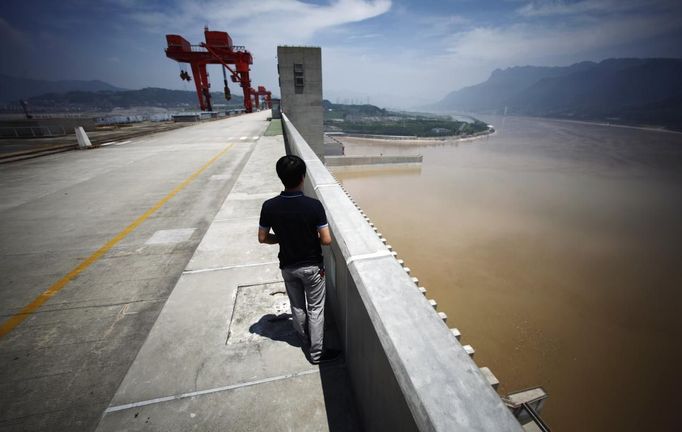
(435, 26)
(520, 43)
(259, 26)
(540, 8)
(266, 18)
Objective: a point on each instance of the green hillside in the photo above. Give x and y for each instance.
(372, 120)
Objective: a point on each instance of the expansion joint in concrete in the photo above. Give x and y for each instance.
(373, 255)
(325, 185)
(211, 269)
(208, 391)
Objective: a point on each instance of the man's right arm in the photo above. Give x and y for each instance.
(322, 225)
(264, 236)
(325, 236)
(264, 225)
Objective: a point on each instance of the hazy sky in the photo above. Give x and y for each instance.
(396, 53)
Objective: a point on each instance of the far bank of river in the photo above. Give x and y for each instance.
(395, 139)
(554, 247)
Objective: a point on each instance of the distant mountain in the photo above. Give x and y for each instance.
(12, 88)
(107, 100)
(647, 91)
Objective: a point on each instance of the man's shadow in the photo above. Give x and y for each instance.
(342, 415)
(277, 328)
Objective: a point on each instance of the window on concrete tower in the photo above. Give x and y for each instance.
(298, 77)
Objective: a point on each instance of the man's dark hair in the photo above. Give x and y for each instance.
(291, 170)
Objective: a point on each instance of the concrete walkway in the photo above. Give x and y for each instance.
(222, 354)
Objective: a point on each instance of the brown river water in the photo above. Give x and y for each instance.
(555, 247)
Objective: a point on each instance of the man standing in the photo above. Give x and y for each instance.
(300, 227)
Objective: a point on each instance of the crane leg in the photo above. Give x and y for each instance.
(245, 82)
(206, 85)
(198, 85)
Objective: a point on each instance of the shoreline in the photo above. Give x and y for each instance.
(651, 128)
(407, 140)
(616, 125)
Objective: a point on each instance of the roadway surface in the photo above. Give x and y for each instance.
(103, 235)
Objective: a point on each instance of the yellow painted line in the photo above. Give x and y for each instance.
(30, 308)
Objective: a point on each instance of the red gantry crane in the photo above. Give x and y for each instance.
(217, 49)
(267, 95)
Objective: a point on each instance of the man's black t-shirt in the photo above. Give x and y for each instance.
(295, 219)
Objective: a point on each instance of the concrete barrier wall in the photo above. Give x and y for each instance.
(371, 160)
(407, 370)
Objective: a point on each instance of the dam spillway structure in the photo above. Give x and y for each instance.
(408, 370)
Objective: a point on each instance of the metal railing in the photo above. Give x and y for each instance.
(535, 418)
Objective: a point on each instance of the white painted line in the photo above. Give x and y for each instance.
(243, 138)
(124, 142)
(228, 267)
(220, 177)
(256, 137)
(208, 391)
(108, 143)
(171, 236)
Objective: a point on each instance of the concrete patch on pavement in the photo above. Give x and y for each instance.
(171, 236)
(261, 311)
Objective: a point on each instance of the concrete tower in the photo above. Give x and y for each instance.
(300, 84)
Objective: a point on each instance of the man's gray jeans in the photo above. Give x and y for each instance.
(307, 283)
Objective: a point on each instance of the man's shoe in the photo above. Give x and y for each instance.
(328, 356)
